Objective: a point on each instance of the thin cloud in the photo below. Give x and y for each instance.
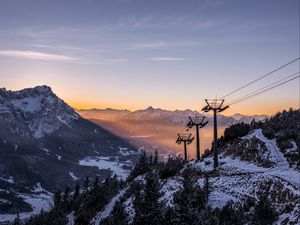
(37, 56)
(167, 59)
(161, 45)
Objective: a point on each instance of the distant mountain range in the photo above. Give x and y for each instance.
(46, 145)
(179, 117)
(156, 129)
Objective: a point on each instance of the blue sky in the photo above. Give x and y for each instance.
(135, 53)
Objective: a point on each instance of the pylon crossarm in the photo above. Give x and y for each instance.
(208, 105)
(205, 108)
(224, 108)
(221, 104)
(202, 119)
(203, 124)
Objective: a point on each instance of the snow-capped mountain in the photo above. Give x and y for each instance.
(46, 145)
(104, 114)
(176, 117)
(34, 112)
(247, 119)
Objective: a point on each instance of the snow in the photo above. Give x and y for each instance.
(39, 200)
(108, 208)
(28, 104)
(126, 151)
(4, 201)
(168, 189)
(106, 164)
(219, 199)
(58, 156)
(73, 176)
(239, 179)
(9, 180)
(63, 121)
(276, 154)
(294, 148)
(128, 205)
(45, 150)
(281, 169)
(71, 218)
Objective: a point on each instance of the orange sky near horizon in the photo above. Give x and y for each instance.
(81, 98)
(244, 108)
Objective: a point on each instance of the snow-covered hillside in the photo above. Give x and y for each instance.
(237, 180)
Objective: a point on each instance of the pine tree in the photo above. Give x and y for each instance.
(66, 199)
(206, 186)
(17, 220)
(189, 201)
(76, 192)
(86, 183)
(152, 195)
(168, 216)
(57, 199)
(66, 194)
(118, 216)
(146, 204)
(142, 166)
(264, 213)
(156, 158)
(96, 183)
(150, 160)
(228, 215)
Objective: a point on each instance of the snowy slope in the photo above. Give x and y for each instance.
(236, 180)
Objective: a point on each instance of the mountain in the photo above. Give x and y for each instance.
(257, 182)
(156, 129)
(104, 114)
(45, 145)
(179, 117)
(247, 119)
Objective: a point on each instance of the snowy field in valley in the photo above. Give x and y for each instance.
(108, 163)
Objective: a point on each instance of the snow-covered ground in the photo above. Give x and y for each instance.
(108, 164)
(71, 218)
(235, 181)
(239, 179)
(39, 200)
(127, 152)
(72, 175)
(128, 205)
(168, 189)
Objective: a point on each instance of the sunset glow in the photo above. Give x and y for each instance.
(132, 54)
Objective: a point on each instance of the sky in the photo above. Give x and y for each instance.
(169, 54)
